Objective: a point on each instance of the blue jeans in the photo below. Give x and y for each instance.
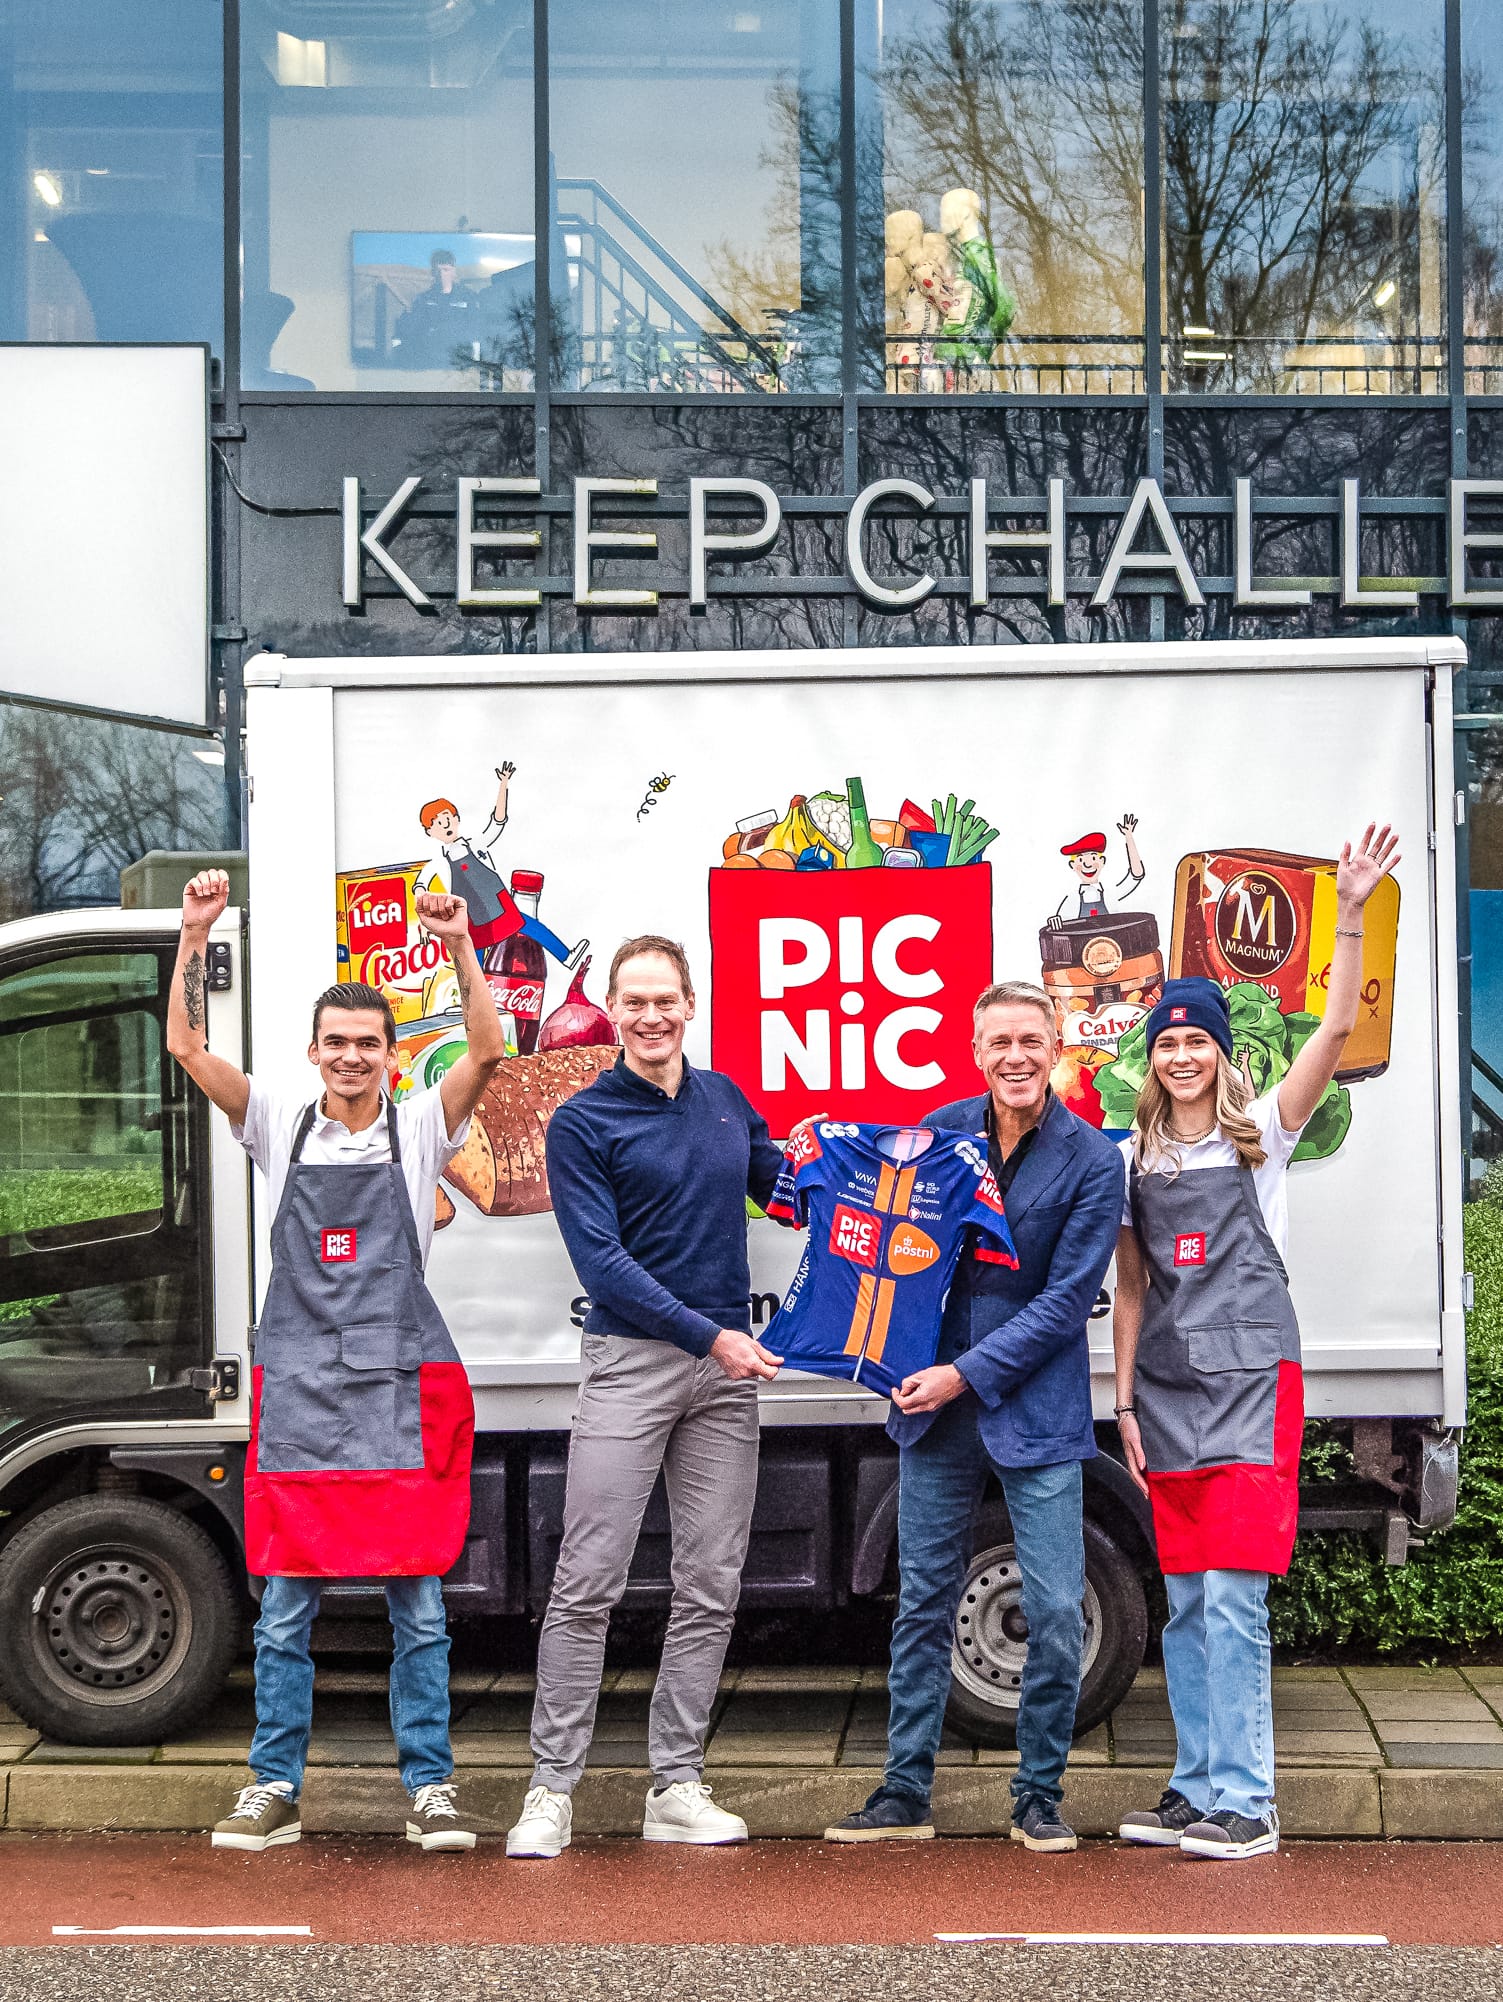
(1216, 1663)
(939, 1483)
(419, 1680)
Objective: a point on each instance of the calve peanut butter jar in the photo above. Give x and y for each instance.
(1103, 975)
(1257, 914)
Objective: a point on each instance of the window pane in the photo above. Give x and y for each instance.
(1304, 196)
(388, 218)
(1006, 137)
(83, 798)
(83, 980)
(697, 152)
(80, 1131)
(111, 223)
(1482, 195)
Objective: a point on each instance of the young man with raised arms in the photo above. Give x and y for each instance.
(362, 1421)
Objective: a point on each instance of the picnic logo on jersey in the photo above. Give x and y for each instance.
(337, 1247)
(855, 1235)
(803, 1148)
(1190, 1248)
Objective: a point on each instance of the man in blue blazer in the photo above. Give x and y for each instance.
(1011, 1391)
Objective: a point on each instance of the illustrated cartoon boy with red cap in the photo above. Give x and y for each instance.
(1087, 859)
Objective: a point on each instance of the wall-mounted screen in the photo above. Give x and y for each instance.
(423, 299)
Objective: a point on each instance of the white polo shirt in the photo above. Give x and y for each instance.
(272, 1120)
(1270, 1182)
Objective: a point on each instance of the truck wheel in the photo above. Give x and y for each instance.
(991, 1640)
(120, 1621)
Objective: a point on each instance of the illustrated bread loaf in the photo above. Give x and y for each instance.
(443, 1208)
(501, 1166)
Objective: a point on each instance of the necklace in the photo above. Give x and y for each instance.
(1192, 1139)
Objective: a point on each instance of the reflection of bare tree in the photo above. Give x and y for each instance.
(80, 798)
(1277, 226)
(1482, 231)
(1039, 108)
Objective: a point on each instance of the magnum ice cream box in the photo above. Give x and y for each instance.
(1258, 914)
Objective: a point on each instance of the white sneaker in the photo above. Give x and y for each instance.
(684, 1812)
(544, 1827)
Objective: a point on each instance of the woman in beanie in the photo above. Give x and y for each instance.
(1210, 1399)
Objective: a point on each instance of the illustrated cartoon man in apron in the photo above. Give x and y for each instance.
(1086, 857)
(361, 1418)
(467, 869)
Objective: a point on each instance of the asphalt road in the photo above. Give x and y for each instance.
(747, 1974)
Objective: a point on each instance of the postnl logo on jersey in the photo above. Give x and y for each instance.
(855, 1235)
(1190, 1249)
(910, 1250)
(337, 1247)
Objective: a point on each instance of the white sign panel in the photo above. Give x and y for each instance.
(104, 572)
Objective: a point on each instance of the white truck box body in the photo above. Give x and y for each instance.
(1275, 746)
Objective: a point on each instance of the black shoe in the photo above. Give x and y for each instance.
(1162, 1826)
(887, 1817)
(1036, 1824)
(1233, 1836)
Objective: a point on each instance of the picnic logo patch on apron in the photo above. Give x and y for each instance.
(362, 1420)
(1219, 1388)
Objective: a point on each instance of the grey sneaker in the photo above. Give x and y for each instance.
(435, 1822)
(1159, 1827)
(262, 1817)
(887, 1817)
(1037, 1826)
(1234, 1837)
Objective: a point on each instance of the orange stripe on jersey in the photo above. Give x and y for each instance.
(885, 1180)
(905, 1191)
(886, 1288)
(866, 1290)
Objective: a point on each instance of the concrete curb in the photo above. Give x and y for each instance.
(1314, 1802)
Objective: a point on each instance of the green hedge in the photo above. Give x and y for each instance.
(1339, 1588)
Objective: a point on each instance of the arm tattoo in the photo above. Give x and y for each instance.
(193, 990)
(462, 978)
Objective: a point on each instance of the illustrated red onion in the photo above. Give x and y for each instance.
(576, 1021)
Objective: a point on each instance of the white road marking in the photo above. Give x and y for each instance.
(181, 1932)
(1169, 1938)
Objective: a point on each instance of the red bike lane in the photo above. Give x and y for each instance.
(87, 1889)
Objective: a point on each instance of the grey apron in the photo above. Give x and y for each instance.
(362, 1417)
(1218, 1384)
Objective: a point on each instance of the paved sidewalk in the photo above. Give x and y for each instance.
(1362, 1752)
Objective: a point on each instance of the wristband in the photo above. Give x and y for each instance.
(1125, 1411)
(1343, 932)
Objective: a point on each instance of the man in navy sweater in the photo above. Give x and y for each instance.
(1010, 1392)
(650, 1167)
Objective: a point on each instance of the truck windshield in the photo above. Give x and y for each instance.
(101, 1286)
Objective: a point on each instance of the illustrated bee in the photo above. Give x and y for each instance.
(655, 789)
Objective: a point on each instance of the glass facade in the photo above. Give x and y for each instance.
(1304, 196)
(909, 197)
(112, 137)
(1010, 140)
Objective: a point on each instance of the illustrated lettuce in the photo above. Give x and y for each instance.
(1269, 1040)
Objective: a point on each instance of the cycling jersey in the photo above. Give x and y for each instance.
(890, 1210)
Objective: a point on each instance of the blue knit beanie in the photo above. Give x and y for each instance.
(1192, 1004)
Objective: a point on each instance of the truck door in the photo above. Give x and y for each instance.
(104, 1304)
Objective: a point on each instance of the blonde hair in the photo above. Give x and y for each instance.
(1154, 1145)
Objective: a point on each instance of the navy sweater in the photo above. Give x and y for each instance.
(650, 1194)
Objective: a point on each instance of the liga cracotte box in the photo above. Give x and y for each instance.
(380, 941)
(1261, 915)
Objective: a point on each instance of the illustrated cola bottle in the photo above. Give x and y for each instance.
(517, 970)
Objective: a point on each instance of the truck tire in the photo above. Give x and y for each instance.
(118, 1621)
(991, 1638)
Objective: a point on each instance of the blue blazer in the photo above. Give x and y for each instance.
(1019, 1338)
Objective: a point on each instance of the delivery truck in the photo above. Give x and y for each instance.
(850, 845)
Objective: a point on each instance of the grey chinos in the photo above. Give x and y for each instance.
(646, 1405)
